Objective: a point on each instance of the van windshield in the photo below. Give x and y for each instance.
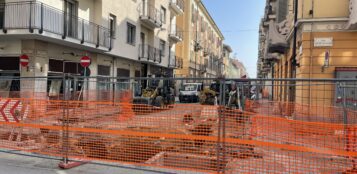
(190, 87)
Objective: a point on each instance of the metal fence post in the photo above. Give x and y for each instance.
(65, 122)
(223, 104)
(221, 128)
(219, 133)
(345, 121)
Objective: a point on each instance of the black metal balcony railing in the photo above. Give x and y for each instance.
(149, 12)
(176, 31)
(203, 67)
(206, 51)
(150, 53)
(35, 15)
(175, 61)
(179, 3)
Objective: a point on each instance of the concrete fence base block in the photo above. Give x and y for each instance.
(71, 164)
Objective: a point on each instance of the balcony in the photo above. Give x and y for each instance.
(54, 25)
(207, 51)
(203, 68)
(277, 40)
(177, 6)
(149, 53)
(176, 34)
(150, 16)
(175, 61)
(273, 57)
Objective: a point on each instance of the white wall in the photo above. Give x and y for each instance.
(10, 47)
(128, 11)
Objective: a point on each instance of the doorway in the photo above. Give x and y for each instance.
(144, 73)
(73, 87)
(142, 44)
(347, 90)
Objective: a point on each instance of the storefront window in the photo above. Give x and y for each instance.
(9, 68)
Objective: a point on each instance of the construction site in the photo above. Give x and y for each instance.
(234, 127)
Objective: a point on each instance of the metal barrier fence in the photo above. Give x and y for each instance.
(231, 131)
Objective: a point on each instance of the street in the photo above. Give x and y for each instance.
(13, 162)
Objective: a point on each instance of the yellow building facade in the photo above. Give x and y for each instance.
(326, 47)
(202, 46)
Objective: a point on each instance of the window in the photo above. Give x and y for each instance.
(131, 34)
(103, 70)
(103, 83)
(163, 14)
(112, 25)
(193, 14)
(10, 63)
(71, 68)
(162, 47)
(2, 13)
(123, 84)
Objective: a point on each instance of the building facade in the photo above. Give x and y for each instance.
(325, 47)
(236, 69)
(202, 47)
(227, 50)
(126, 38)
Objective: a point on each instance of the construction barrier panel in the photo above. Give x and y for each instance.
(182, 137)
(258, 132)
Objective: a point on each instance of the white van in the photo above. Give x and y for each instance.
(190, 92)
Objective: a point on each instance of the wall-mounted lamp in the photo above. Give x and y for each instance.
(2, 47)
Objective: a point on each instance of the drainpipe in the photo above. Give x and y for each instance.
(273, 82)
(196, 45)
(311, 57)
(294, 63)
(113, 79)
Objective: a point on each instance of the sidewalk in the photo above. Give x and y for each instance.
(14, 162)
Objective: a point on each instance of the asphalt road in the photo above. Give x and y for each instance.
(13, 162)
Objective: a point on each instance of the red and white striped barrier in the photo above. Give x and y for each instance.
(12, 110)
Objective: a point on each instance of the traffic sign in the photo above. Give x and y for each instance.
(12, 111)
(85, 61)
(24, 60)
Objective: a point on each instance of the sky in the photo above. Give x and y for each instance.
(239, 22)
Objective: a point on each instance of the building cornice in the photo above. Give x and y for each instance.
(300, 22)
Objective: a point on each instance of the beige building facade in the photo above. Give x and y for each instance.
(227, 50)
